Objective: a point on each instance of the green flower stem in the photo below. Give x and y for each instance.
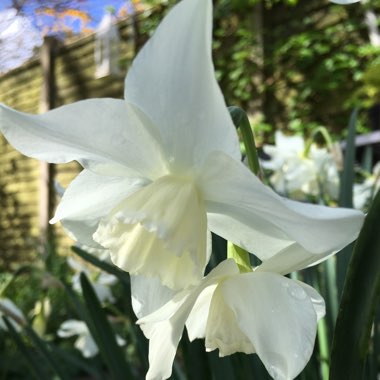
(326, 136)
(240, 256)
(322, 336)
(241, 121)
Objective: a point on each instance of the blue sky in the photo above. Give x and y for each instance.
(19, 34)
(95, 8)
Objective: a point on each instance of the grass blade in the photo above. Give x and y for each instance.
(103, 334)
(360, 298)
(35, 366)
(109, 268)
(345, 197)
(46, 351)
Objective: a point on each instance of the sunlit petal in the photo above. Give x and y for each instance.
(277, 316)
(164, 327)
(229, 189)
(89, 198)
(222, 331)
(148, 294)
(344, 2)
(160, 230)
(291, 259)
(103, 134)
(173, 81)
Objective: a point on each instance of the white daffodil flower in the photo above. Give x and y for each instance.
(101, 281)
(85, 342)
(258, 312)
(297, 175)
(344, 2)
(14, 314)
(162, 167)
(364, 192)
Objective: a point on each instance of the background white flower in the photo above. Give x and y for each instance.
(85, 342)
(9, 309)
(298, 175)
(101, 281)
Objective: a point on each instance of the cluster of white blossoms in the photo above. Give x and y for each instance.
(364, 192)
(301, 172)
(162, 169)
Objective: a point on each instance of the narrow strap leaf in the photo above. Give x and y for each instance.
(360, 299)
(36, 367)
(103, 334)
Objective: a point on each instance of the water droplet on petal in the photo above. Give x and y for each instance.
(276, 373)
(277, 367)
(297, 292)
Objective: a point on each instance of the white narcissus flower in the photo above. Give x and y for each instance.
(344, 2)
(101, 281)
(162, 167)
(85, 342)
(364, 192)
(297, 175)
(14, 314)
(259, 312)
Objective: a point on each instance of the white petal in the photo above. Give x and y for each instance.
(278, 317)
(11, 306)
(183, 98)
(160, 230)
(288, 144)
(86, 344)
(316, 299)
(164, 327)
(14, 310)
(99, 133)
(103, 292)
(291, 259)
(229, 189)
(91, 197)
(163, 343)
(148, 295)
(72, 327)
(138, 251)
(105, 278)
(223, 331)
(197, 321)
(344, 1)
(246, 234)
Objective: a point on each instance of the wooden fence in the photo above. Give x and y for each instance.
(27, 198)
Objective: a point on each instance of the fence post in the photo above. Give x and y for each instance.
(47, 102)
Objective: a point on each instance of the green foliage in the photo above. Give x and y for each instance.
(360, 300)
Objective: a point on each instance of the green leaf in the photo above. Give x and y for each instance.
(345, 197)
(76, 362)
(46, 351)
(347, 176)
(37, 368)
(240, 119)
(103, 334)
(222, 368)
(360, 299)
(109, 268)
(195, 358)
